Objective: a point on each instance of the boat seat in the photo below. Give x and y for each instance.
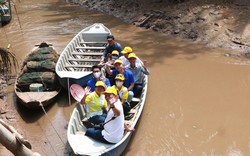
(132, 111)
(134, 99)
(134, 102)
(129, 116)
(78, 66)
(84, 60)
(87, 53)
(93, 42)
(96, 48)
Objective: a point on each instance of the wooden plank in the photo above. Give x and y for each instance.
(87, 53)
(78, 66)
(83, 60)
(96, 48)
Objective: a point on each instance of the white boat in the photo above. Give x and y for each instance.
(83, 145)
(37, 84)
(82, 52)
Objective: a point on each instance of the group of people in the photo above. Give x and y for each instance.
(116, 80)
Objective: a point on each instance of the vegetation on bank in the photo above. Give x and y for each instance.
(8, 65)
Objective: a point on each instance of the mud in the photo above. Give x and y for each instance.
(223, 24)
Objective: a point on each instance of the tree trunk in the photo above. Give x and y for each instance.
(13, 142)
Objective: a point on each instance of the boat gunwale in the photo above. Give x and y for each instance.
(127, 134)
(77, 39)
(32, 104)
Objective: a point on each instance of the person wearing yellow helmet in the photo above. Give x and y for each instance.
(138, 71)
(126, 51)
(114, 125)
(112, 58)
(129, 77)
(123, 93)
(96, 105)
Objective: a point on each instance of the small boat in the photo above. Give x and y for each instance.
(83, 145)
(82, 52)
(37, 84)
(5, 11)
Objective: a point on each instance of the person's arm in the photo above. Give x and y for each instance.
(109, 71)
(123, 100)
(115, 110)
(106, 106)
(87, 92)
(107, 82)
(125, 95)
(131, 80)
(131, 86)
(144, 67)
(83, 99)
(104, 55)
(127, 128)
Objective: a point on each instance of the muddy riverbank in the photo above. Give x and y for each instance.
(223, 24)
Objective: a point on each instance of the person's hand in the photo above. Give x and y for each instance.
(130, 129)
(111, 101)
(87, 90)
(145, 63)
(101, 63)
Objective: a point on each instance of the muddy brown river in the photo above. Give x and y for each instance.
(197, 102)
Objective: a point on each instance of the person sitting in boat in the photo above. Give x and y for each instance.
(122, 93)
(111, 59)
(97, 76)
(129, 77)
(114, 56)
(126, 51)
(138, 70)
(96, 105)
(113, 127)
(112, 45)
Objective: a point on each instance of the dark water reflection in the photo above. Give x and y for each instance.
(197, 103)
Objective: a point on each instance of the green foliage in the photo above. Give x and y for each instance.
(8, 62)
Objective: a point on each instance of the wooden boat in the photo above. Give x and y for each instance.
(5, 11)
(82, 52)
(83, 145)
(37, 84)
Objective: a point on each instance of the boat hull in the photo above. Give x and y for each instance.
(83, 145)
(66, 82)
(32, 103)
(37, 84)
(82, 52)
(5, 12)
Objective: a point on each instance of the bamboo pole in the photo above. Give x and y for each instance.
(13, 141)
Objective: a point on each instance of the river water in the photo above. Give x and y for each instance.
(197, 102)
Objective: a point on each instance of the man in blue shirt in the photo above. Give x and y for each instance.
(129, 77)
(112, 45)
(97, 77)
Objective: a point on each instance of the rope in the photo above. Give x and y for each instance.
(52, 124)
(69, 92)
(40, 104)
(48, 140)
